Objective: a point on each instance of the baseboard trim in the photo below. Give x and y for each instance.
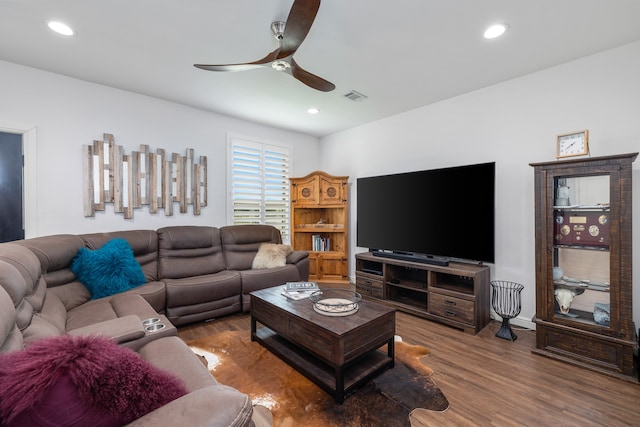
(523, 323)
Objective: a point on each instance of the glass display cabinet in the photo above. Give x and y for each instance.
(584, 263)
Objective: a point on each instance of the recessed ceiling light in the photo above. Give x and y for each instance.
(495, 31)
(60, 28)
(313, 110)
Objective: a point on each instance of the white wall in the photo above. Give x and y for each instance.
(68, 113)
(512, 123)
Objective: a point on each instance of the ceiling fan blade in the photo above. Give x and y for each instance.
(226, 67)
(310, 79)
(272, 56)
(299, 21)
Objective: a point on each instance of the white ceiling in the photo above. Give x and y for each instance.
(402, 54)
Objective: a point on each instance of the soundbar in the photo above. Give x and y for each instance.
(423, 259)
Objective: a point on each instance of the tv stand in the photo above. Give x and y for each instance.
(405, 256)
(456, 294)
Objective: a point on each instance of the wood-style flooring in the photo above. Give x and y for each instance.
(493, 382)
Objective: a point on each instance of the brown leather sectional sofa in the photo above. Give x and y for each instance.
(193, 273)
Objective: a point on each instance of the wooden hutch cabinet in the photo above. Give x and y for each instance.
(319, 224)
(584, 264)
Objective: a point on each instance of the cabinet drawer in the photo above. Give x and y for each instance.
(369, 287)
(372, 283)
(451, 308)
(369, 291)
(587, 349)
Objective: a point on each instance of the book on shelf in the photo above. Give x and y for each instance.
(319, 243)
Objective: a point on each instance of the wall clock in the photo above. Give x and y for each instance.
(573, 144)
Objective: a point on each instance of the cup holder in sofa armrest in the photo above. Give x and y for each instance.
(155, 327)
(121, 329)
(152, 325)
(153, 330)
(150, 321)
(160, 326)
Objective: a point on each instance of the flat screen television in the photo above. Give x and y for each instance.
(430, 216)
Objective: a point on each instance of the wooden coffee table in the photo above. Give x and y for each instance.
(337, 353)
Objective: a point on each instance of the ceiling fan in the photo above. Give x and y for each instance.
(290, 35)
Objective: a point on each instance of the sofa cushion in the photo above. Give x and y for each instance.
(154, 293)
(72, 294)
(21, 277)
(271, 255)
(241, 243)
(109, 270)
(10, 336)
(54, 312)
(55, 254)
(203, 297)
(81, 378)
(109, 308)
(187, 251)
(15, 286)
(173, 355)
(253, 280)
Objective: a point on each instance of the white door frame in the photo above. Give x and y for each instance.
(29, 170)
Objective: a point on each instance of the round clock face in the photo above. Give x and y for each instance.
(572, 146)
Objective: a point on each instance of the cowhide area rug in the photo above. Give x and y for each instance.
(387, 400)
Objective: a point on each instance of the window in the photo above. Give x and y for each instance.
(259, 184)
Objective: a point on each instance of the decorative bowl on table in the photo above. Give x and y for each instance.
(335, 302)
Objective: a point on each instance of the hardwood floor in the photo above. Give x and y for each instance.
(493, 382)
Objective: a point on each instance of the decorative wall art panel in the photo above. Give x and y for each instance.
(144, 177)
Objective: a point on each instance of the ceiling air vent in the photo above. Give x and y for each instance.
(355, 96)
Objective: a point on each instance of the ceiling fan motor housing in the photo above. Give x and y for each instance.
(277, 28)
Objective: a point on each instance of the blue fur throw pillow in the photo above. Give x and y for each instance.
(108, 270)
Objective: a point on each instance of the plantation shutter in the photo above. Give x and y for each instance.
(259, 184)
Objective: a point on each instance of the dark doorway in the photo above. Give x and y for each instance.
(11, 218)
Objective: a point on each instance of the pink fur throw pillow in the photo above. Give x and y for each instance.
(80, 381)
(271, 255)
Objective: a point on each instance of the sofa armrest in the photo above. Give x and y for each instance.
(300, 259)
(296, 256)
(121, 329)
(216, 405)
